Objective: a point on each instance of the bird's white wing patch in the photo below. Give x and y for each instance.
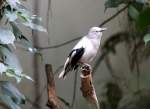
(63, 71)
(73, 54)
(81, 43)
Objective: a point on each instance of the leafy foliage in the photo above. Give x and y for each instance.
(6, 36)
(112, 94)
(16, 13)
(137, 100)
(11, 95)
(113, 3)
(12, 37)
(136, 40)
(143, 22)
(133, 12)
(142, 1)
(147, 38)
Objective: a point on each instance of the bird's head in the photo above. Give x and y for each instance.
(96, 32)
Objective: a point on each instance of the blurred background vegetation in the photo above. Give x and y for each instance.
(120, 71)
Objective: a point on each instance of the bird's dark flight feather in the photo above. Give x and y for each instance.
(75, 55)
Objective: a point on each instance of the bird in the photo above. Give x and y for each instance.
(84, 51)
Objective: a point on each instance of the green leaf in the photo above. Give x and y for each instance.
(9, 102)
(146, 38)
(31, 21)
(11, 15)
(11, 60)
(141, 1)
(35, 26)
(27, 45)
(5, 46)
(133, 12)
(22, 41)
(16, 30)
(112, 3)
(2, 56)
(143, 21)
(24, 15)
(3, 68)
(13, 3)
(26, 77)
(11, 96)
(6, 36)
(12, 73)
(9, 90)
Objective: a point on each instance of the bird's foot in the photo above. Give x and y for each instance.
(86, 70)
(86, 66)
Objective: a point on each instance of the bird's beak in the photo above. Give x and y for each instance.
(103, 29)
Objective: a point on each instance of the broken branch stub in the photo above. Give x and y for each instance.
(87, 87)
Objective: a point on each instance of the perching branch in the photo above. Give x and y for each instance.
(87, 87)
(53, 102)
(75, 39)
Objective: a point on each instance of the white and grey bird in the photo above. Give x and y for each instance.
(84, 51)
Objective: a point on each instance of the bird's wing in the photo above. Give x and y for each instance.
(81, 43)
(72, 60)
(76, 55)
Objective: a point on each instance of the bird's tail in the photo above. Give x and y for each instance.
(66, 69)
(62, 75)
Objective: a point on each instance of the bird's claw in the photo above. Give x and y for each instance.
(86, 66)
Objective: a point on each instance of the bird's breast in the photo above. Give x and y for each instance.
(90, 53)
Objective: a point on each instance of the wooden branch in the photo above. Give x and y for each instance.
(53, 102)
(87, 87)
(1, 4)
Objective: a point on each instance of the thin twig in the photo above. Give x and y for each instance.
(136, 62)
(113, 16)
(75, 39)
(59, 45)
(138, 74)
(74, 89)
(64, 101)
(49, 15)
(49, 10)
(137, 69)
